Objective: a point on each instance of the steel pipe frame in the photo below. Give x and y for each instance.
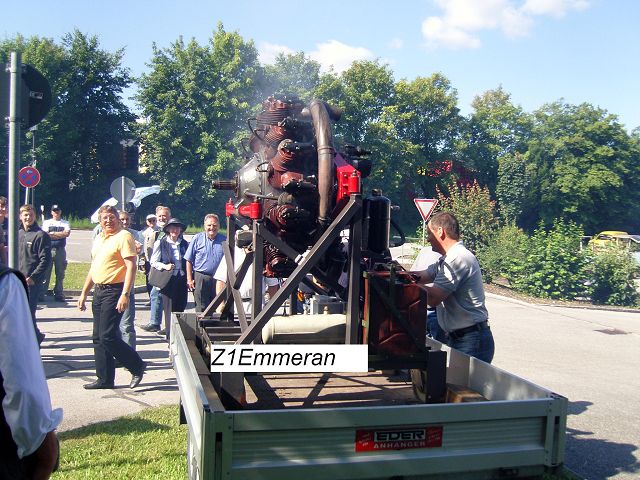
(350, 213)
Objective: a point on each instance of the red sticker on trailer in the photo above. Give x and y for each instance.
(398, 438)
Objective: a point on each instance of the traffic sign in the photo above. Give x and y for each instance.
(35, 95)
(29, 177)
(123, 190)
(425, 206)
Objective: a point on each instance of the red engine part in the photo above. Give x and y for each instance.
(348, 178)
(253, 210)
(384, 333)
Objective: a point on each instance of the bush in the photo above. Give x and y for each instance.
(475, 211)
(554, 266)
(613, 270)
(505, 254)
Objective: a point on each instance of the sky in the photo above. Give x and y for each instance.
(539, 51)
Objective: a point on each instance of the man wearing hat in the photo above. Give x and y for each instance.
(58, 230)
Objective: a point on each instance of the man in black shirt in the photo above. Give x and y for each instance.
(34, 257)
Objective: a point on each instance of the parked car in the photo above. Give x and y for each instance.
(605, 238)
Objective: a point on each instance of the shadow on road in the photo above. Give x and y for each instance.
(595, 458)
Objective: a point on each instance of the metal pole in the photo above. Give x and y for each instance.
(122, 192)
(15, 117)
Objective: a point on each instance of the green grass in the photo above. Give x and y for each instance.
(76, 273)
(148, 445)
(78, 223)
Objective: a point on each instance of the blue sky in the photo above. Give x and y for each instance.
(539, 50)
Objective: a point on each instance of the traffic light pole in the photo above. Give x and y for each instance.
(15, 71)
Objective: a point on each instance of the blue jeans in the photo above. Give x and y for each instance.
(433, 329)
(478, 343)
(156, 307)
(127, 323)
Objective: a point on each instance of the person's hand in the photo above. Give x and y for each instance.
(169, 266)
(191, 284)
(123, 303)
(44, 460)
(81, 306)
(30, 281)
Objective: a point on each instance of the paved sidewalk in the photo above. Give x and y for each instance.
(67, 354)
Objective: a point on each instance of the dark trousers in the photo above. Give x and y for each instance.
(107, 341)
(205, 290)
(34, 292)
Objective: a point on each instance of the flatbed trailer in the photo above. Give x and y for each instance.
(364, 425)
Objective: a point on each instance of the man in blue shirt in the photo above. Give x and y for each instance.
(203, 257)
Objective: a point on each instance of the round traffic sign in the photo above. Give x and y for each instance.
(123, 190)
(29, 177)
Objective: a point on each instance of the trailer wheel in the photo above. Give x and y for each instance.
(418, 380)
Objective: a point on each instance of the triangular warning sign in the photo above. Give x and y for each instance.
(425, 206)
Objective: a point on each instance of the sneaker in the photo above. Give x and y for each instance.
(149, 327)
(60, 298)
(162, 332)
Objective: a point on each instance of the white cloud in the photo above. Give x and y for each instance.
(396, 43)
(438, 32)
(462, 21)
(338, 55)
(554, 8)
(267, 52)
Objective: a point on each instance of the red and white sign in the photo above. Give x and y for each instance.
(402, 438)
(29, 177)
(425, 206)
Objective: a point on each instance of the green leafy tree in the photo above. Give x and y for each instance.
(362, 91)
(195, 101)
(78, 143)
(584, 167)
(413, 139)
(513, 182)
(496, 128)
(293, 74)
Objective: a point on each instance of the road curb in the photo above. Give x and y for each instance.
(605, 308)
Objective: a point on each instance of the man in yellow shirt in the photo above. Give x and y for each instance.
(111, 274)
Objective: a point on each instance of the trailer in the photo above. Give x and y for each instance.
(364, 426)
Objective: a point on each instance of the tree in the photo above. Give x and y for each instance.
(362, 92)
(414, 140)
(78, 142)
(294, 74)
(583, 167)
(511, 189)
(496, 128)
(195, 102)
